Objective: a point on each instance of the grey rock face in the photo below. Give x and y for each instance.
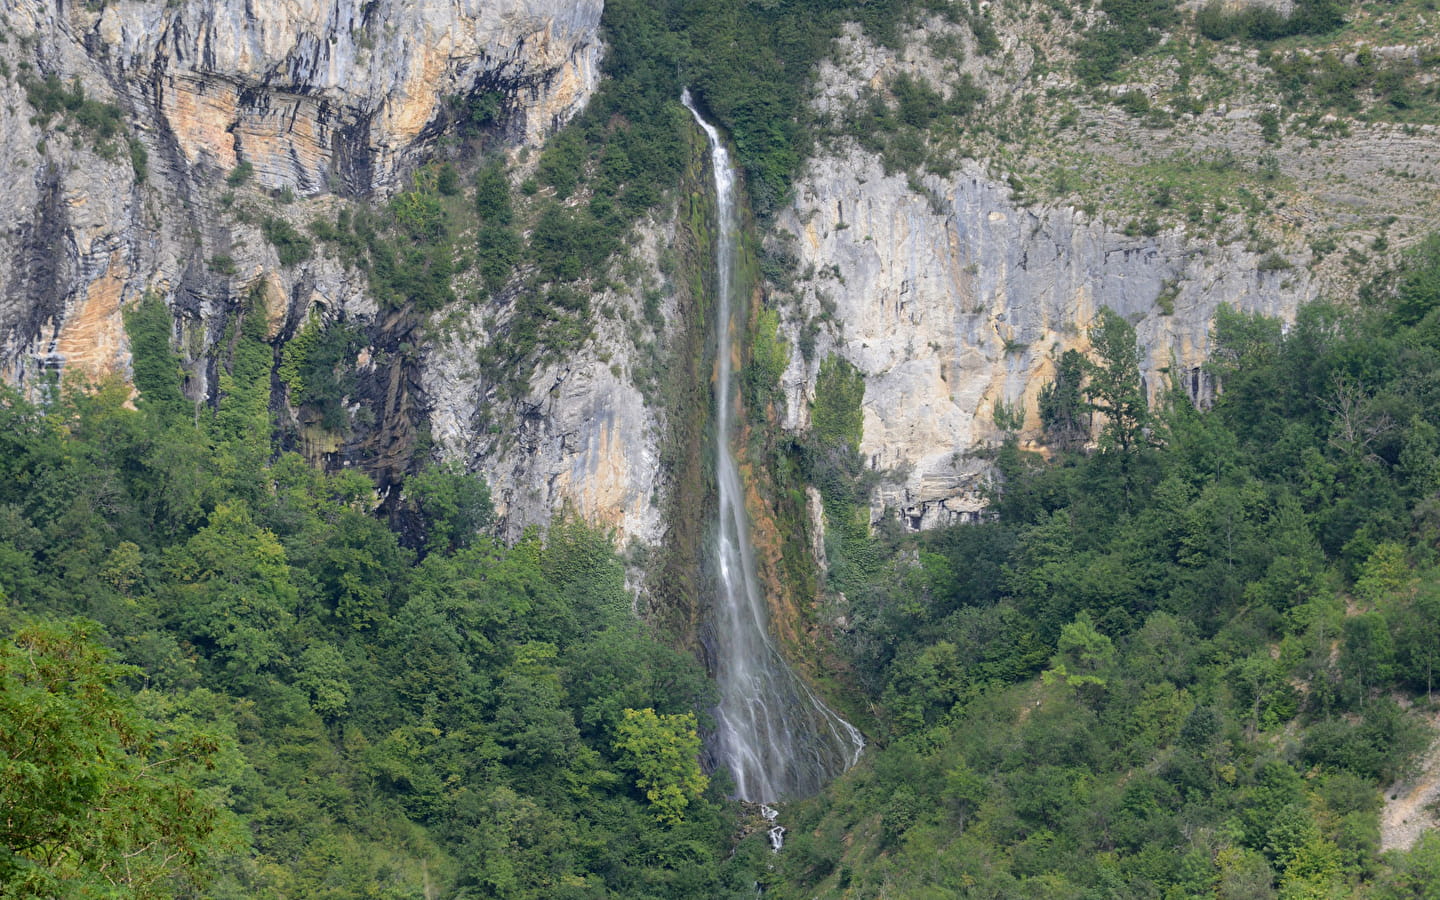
(954, 299)
(583, 439)
(317, 98)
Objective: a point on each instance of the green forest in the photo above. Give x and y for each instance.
(1182, 665)
(1182, 660)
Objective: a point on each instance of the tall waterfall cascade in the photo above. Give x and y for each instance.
(777, 738)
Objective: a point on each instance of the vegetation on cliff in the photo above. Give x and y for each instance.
(1179, 664)
(1184, 664)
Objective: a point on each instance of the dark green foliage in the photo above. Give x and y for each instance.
(157, 372)
(500, 250)
(898, 132)
(1347, 84)
(454, 504)
(839, 392)
(381, 727)
(318, 367)
(1063, 411)
(407, 250)
(1224, 607)
(139, 160)
(291, 245)
(1419, 289)
(474, 113)
(1269, 127)
(567, 244)
(49, 97)
(492, 195)
(560, 163)
(1262, 23)
(244, 170)
(1114, 388)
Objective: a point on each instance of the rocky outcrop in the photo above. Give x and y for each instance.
(314, 98)
(583, 436)
(319, 96)
(954, 299)
(955, 292)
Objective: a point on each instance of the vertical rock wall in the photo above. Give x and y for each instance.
(317, 98)
(954, 298)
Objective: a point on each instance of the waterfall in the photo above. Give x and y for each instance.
(776, 737)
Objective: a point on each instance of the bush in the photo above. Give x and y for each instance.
(837, 417)
(492, 195)
(240, 174)
(1273, 262)
(291, 245)
(49, 97)
(1131, 28)
(568, 244)
(139, 160)
(1261, 23)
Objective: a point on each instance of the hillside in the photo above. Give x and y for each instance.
(359, 520)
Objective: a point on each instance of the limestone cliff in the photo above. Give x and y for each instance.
(957, 298)
(583, 435)
(952, 292)
(318, 96)
(950, 270)
(307, 98)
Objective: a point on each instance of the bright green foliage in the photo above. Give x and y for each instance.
(837, 416)
(769, 355)
(232, 593)
(831, 462)
(1083, 655)
(385, 722)
(1384, 574)
(96, 801)
(296, 353)
(664, 752)
(243, 415)
(157, 372)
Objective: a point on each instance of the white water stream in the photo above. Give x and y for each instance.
(776, 737)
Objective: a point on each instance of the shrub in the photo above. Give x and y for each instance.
(240, 174)
(1273, 262)
(291, 245)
